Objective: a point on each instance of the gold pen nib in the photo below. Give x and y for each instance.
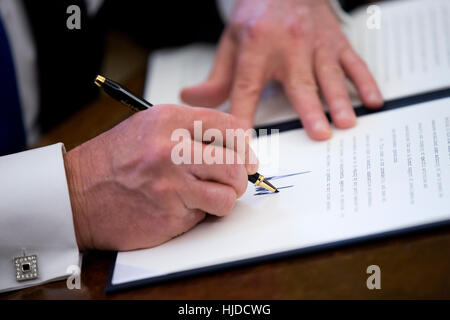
(263, 183)
(100, 80)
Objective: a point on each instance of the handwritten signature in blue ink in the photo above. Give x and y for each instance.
(261, 191)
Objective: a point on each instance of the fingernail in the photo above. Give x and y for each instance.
(251, 168)
(345, 118)
(321, 129)
(375, 98)
(253, 162)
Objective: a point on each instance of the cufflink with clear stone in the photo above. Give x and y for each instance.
(26, 268)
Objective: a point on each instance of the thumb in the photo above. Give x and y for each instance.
(216, 89)
(211, 93)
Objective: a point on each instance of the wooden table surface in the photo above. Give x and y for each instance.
(412, 266)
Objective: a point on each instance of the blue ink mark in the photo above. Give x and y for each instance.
(287, 175)
(261, 191)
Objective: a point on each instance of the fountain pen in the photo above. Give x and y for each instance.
(119, 93)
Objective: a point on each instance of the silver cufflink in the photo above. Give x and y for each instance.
(26, 268)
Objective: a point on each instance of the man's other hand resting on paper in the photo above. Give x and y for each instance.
(298, 43)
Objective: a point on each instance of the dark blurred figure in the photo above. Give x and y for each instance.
(68, 60)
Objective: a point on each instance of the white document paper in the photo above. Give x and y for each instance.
(390, 172)
(410, 52)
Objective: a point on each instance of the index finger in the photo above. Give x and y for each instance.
(208, 125)
(300, 86)
(248, 82)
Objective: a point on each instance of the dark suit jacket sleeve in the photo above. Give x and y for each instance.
(69, 60)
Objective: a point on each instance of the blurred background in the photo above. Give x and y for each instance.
(115, 40)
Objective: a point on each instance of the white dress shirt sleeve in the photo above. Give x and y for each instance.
(36, 216)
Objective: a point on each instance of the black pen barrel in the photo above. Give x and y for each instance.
(121, 94)
(253, 178)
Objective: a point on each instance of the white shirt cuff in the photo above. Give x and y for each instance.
(36, 216)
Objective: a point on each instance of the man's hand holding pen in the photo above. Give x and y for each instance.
(126, 192)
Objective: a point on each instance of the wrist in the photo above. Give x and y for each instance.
(75, 184)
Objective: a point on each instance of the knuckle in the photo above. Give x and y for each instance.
(361, 62)
(293, 29)
(196, 217)
(227, 203)
(241, 187)
(247, 86)
(227, 119)
(330, 41)
(255, 30)
(342, 42)
(302, 82)
(303, 12)
(298, 28)
(352, 57)
(303, 16)
(233, 170)
(308, 86)
(322, 49)
(210, 197)
(331, 69)
(237, 174)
